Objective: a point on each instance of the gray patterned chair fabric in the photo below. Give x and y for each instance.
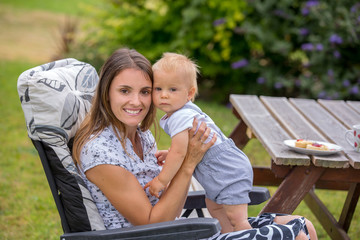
(55, 98)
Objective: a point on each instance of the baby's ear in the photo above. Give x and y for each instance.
(191, 93)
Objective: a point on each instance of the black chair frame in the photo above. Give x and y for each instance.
(189, 228)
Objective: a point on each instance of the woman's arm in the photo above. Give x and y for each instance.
(128, 197)
(174, 159)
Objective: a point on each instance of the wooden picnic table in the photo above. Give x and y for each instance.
(275, 119)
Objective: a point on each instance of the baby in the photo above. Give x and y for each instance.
(225, 171)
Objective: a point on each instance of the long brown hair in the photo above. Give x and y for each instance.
(100, 115)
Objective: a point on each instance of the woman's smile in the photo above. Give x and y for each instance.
(132, 111)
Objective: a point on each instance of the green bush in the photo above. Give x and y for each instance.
(274, 47)
(305, 48)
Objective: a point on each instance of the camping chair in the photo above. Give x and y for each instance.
(55, 98)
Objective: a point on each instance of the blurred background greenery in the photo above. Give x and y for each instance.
(289, 48)
(274, 47)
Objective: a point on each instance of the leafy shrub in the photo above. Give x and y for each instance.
(305, 48)
(273, 47)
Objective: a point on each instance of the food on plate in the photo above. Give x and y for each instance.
(301, 143)
(317, 146)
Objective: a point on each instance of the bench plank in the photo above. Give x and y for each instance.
(258, 119)
(296, 124)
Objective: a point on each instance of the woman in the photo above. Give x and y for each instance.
(116, 153)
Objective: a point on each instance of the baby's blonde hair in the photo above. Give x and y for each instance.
(181, 64)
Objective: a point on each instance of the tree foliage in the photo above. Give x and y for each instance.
(273, 47)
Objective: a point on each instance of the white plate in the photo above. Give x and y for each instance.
(333, 148)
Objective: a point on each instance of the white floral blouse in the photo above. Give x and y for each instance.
(107, 149)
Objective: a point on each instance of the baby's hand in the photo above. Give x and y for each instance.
(161, 156)
(155, 187)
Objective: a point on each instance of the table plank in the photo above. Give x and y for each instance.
(341, 111)
(355, 105)
(328, 125)
(259, 120)
(291, 119)
(298, 127)
(347, 116)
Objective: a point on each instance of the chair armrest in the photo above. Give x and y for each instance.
(258, 195)
(196, 199)
(191, 228)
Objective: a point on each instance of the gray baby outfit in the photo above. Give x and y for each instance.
(225, 171)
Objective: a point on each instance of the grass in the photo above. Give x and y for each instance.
(26, 205)
(69, 7)
(27, 210)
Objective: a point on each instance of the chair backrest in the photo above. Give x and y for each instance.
(55, 98)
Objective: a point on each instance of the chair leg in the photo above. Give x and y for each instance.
(199, 212)
(187, 213)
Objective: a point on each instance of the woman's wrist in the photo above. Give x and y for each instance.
(187, 167)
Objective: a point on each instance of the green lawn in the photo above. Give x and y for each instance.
(27, 210)
(70, 7)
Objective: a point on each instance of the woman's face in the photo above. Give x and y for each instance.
(130, 97)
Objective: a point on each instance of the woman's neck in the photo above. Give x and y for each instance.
(136, 142)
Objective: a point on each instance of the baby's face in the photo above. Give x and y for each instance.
(171, 91)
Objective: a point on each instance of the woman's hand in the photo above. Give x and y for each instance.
(197, 146)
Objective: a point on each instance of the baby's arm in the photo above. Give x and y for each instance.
(161, 156)
(173, 162)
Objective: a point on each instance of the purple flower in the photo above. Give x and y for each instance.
(303, 31)
(278, 85)
(354, 90)
(229, 105)
(260, 80)
(219, 21)
(280, 13)
(335, 95)
(298, 82)
(306, 64)
(319, 47)
(240, 64)
(337, 54)
(330, 73)
(312, 3)
(335, 39)
(305, 11)
(346, 83)
(322, 94)
(309, 4)
(355, 7)
(307, 47)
